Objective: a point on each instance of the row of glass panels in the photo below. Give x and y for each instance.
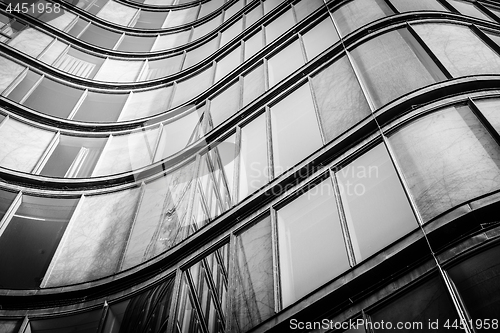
(389, 66)
(204, 292)
(446, 158)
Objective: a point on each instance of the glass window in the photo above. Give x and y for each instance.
(150, 20)
(392, 65)
(113, 70)
(460, 51)
(164, 42)
(6, 199)
(490, 109)
(136, 43)
(478, 282)
(117, 13)
(411, 5)
(228, 63)
(294, 128)
(358, 13)
(24, 86)
(469, 9)
(270, 5)
(254, 170)
(346, 107)
(85, 322)
(310, 241)
(427, 304)
(146, 103)
(235, 7)
(74, 157)
(127, 152)
(181, 16)
(279, 25)
(10, 325)
(30, 240)
(209, 7)
(79, 63)
(96, 6)
(447, 158)
(53, 52)
(42, 98)
(253, 84)
(203, 29)
(225, 104)
(101, 107)
(253, 16)
(254, 294)
(223, 157)
(60, 21)
(231, 32)
(375, 205)
(22, 145)
(305, 7)
(78, 27)
(190, 88)
(160, 68)
(319, 38)
(284, 63)
(100, 227)
(161, 220)
(9, 70)
(31, 42)
(199, 53)
(98, 36)
(253, 44)
(178, 134)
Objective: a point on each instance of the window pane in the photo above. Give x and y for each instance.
(410, 5)
(190, 88)
(252, 16)
(100, 37)
(6, 199)
(100, 226)
(305, 7)
(162, 217)
(490, 109)
(117, 13)
(42, 98)
(232, 31)
(136, 43)
(289, 117)
(31, 41)
(162, 67)
(79, 63)
(53, 52)
(225, 104)
(203, 29)
(164, 42)
(253, 157)
(199, 53)
(60, 21)
(9, 70)
(277, 27)
(254, 295)
(341, 103)
(127, 152)
(253, 45)
(210, 7)
(358, 13)
(74, 157)
(253, 84)
(146, 103)
(374, 202)
(423, 305)
(460, 51)
(101, 107)
(30, 240)
(235, 7)
(83, 322)
(392, 65)
(311, 245)
(228, 63)
(478, 282)
(119, 70)
(22, 145)
(181, 16)
(150, 20)
(319, 38)
(23, 87)
(469, 9)
(10, 325)
(447, 158)
(284, 63)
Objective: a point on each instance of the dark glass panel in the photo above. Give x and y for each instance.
(101, 107)
(86, 322)
(43, 98)
(24, 86)
(6, 199)
(30, 240)
(311, 244)
(136, 43)
(98, 36)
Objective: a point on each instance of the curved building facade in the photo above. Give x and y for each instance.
(249, 166)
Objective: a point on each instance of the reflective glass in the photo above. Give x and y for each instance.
(209, 7)
(100, 107)
(253, 16)
(254, 170)
(117, 13)
(228, 63)
(161, 67)
(279, 25)
(9, 70)
(199, 53)
(375, 205)
(73, 157)
(164, 42)
(284, 63)
(468, 8)
(25, 85)
(53, 52)
(181, 16)
(411, 5)
(253, 84)
(30, 240)
(78, 27)
(235, 7)
(86, 322)
(146, 103)
(293, 115)
(341, 102)
(270, 5)
(310, 242)
(136, 43)
(225, 104)
(113, 70)
(489, 108)
(447, 158)
(79, 63)
(319, 38)
(305, 7)
(150, 19)
(231, 32)
(100, 37)
(6, 199)
(190, 88)
(31, 42)
(358, 13)
(253, 44)
(254, 294)
(204, 28)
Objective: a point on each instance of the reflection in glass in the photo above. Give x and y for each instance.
(146, 103)
(292, 115)
(136, 43)
(253, 84)
(190, 88)
(310, 241)
(284, 63)
(254, 294)
(254, 170)
(22, 88)
(225, 104)
(447, 158)
(30, 240)
(374, 202)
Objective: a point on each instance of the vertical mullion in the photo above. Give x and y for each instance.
(237, 163)
(276, 264)
(231, 283)
(176, 290)
(270, 155)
